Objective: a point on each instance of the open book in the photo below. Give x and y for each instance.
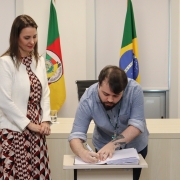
(124, 156)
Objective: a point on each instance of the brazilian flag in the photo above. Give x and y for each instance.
(54, 63)
(129, 48)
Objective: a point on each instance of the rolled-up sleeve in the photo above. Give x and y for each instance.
(137, 118)
(81, 122)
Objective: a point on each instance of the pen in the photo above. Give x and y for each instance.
(88, 147)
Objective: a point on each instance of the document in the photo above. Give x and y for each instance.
(124, 156)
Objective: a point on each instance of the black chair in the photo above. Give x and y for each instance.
(82, 85)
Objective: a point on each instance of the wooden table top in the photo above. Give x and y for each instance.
(158, 128)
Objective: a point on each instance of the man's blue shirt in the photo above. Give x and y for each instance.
(130, 109)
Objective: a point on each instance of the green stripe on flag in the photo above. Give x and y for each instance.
(53, 31)
(129, 27)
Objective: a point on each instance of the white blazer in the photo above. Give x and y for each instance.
(15, 90)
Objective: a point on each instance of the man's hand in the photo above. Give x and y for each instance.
(89, 156)
(86, 155)
(106, 151)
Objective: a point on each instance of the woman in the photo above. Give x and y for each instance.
(24, 106)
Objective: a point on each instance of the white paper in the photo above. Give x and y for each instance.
(124, 156)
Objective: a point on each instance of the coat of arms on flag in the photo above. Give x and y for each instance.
(54, 63)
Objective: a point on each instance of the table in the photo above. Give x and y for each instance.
(102, 172)
(163, 157)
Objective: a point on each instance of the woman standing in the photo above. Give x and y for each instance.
(24, 106)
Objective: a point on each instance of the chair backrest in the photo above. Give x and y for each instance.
(82, 85)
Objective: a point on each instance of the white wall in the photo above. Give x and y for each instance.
(77, 31)
(178, 67)
(72, 27)
(7, 15)
(152, 22)
(174, 93)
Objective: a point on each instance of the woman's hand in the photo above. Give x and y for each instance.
(45, 128)
(34, 127)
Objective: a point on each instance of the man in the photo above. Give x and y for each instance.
(116, 105)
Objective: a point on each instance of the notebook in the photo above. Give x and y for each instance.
(124, 156)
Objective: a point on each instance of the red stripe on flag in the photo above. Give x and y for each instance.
(56, 48)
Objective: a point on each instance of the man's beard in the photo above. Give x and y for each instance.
(108, 107)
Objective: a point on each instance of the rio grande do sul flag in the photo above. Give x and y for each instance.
(129, 48)
(54, 64)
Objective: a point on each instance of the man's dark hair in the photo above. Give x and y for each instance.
(116, 77)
